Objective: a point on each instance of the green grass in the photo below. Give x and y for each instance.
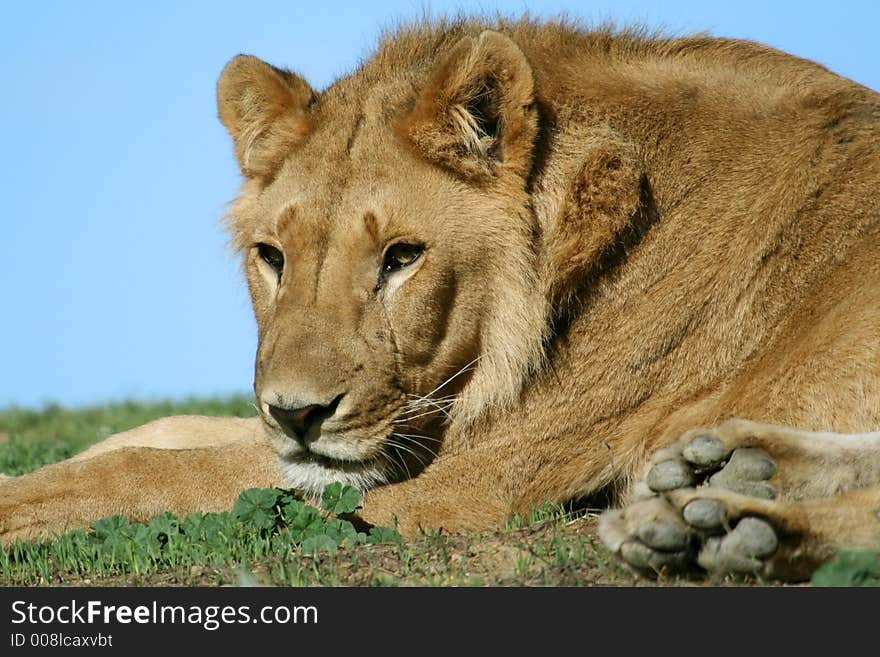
(264, 524)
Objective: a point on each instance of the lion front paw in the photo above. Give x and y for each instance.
(703, 505)
(691, 530)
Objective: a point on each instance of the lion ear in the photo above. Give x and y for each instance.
(476, 115)
(265, 111)
(608, 207)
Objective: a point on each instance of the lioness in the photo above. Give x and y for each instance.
(504, 263)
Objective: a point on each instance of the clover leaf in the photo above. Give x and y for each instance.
(384, 535)
(112, 526)
(340, 498)
(255, 508)
(319, 543)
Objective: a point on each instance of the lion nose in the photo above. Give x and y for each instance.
(297, 421)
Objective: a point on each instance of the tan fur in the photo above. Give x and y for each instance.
(625, 238)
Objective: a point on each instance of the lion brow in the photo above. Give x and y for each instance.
(372, 225)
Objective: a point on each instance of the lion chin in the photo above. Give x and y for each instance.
(308, 469)
(309, 476)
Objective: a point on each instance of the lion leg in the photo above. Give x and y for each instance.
(181, 465)
(440, 498)
(473, 489)
(180, 432)
(800, 495)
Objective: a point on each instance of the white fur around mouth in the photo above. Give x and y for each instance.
(309, 470)
(311, 475)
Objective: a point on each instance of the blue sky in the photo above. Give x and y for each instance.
(114, 272)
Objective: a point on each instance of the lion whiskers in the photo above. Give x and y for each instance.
(424, 405)
(421, 408)
(461, 371)
(401, 444)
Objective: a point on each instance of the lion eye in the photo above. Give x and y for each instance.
(272, 257)
(399, 256)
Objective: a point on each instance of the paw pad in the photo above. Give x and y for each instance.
(740, 551)
(704, 460)
(705, 514)
(705, 452)
(668, 475)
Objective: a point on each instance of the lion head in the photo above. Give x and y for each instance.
(391, 248)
